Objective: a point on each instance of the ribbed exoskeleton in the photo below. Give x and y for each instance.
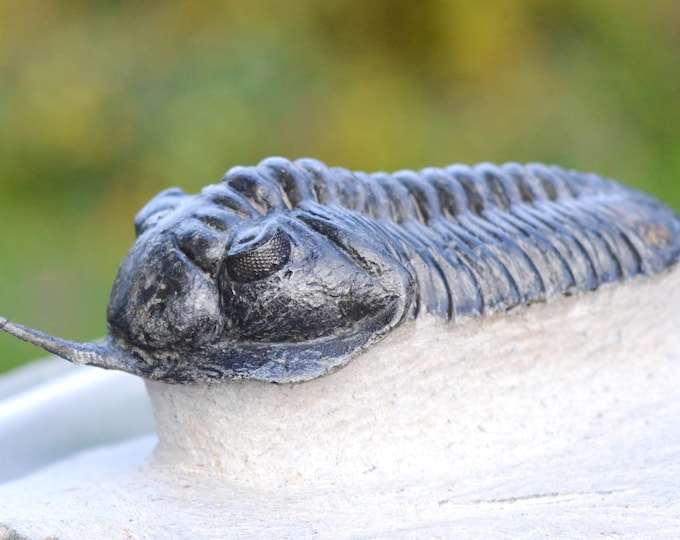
(286, 270)
(484, 238)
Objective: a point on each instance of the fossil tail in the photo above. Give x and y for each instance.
(105, 355)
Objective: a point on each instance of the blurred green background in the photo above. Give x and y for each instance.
(103, 104)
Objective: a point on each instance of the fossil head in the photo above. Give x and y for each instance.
(223, 285)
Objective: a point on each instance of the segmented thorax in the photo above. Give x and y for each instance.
(484, 238)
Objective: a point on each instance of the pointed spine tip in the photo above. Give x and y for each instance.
(95, 354)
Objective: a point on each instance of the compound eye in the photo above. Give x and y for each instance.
(257, 252)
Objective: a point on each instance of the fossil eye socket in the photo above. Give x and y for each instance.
(257, 253)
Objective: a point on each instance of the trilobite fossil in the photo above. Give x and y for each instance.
(284, 271)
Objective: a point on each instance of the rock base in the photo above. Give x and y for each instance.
(558, 420)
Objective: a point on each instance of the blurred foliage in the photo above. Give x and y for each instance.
(103, 104)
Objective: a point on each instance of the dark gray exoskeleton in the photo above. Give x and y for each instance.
(284, 271)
